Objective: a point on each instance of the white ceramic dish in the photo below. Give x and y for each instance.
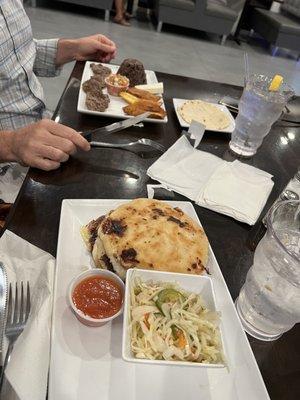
(115, 108)
(192, 283)
(87, 362)
(83, 318)
(179, 102)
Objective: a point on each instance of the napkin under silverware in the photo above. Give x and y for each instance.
(231, 188)
(27, 371)
(11, 180)
(3, 305)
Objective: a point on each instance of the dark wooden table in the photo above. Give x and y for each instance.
(104, 174)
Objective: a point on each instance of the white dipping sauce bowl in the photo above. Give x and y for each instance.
(83, 318)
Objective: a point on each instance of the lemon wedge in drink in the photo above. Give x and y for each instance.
(276, 83)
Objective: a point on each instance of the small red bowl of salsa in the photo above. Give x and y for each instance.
(96, 296)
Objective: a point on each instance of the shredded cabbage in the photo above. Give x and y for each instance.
(180, 329)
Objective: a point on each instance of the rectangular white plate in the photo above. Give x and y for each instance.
(198, 284)
(115, 108)
(179, 102)
(87, 362)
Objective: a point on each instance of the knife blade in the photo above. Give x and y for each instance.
(3, 305)
(118, 126)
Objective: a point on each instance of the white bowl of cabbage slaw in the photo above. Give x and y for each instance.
(171, 319)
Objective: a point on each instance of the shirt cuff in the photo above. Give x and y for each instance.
(44, 64)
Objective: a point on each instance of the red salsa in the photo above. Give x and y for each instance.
(98, 297)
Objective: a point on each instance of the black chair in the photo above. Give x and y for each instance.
(280, 29)
(205, 15)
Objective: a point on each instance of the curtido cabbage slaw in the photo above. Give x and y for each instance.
(169, 323)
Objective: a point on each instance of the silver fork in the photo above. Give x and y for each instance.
(140, 144)
(18, 310)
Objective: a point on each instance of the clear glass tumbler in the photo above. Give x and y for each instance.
(259, 108)
(269, 302)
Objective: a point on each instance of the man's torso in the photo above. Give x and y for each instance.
(21, 94)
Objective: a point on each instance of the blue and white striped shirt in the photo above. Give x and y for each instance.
(21, 59)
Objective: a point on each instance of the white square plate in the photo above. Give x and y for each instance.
(179, 102)
(115, 108)
(86, 363)
(191, 283)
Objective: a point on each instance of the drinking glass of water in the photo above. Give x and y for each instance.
(259, 108)
(269, 302)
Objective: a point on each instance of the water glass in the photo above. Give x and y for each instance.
(259, 108)
(269, 302)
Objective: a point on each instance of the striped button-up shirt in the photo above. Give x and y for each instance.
(21, 95)
(21, 59)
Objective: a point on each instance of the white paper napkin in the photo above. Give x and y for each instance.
(237, 190)
(233, 189)
(12, 176)
(196, 131)
(179, 168)
(151, 189)
(27, 371)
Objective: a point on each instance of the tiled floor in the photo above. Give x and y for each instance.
(176, 51)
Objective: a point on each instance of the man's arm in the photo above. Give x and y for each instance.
(52, 54)
(6, 146)
(45, 60)
(43, 145)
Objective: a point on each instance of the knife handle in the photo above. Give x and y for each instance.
(87, 135)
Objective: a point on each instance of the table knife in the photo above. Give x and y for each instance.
(231, 103)
(118, 126)
(3, 304)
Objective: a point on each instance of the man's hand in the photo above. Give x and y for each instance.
(45, 144)
(94, 48)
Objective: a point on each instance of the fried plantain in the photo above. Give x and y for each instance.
(140, 107)
(143, 94)
(129, 98)
(149, 105)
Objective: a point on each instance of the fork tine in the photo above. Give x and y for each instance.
(160, 147)
(10, 306)
(21, 319)
(28, 303)
(15, 320)
(16, 307)
(156, 145)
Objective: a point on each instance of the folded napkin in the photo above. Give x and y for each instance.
(12, 176)
(230, 188)
(27, 371)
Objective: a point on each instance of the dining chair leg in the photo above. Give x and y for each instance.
(106, 17)
(223, 39)
(159, 26)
